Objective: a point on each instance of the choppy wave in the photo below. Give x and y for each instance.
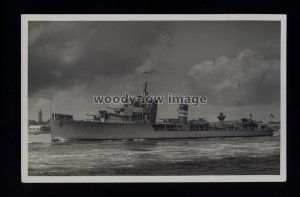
(203, 156)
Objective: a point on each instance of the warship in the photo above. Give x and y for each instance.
(140, 122)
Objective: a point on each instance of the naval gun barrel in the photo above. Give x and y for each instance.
(115, 109)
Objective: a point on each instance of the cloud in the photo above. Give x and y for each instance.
(65, 54)
(206, 66)
(72, 61)
(41, 102)
(259, 79)
(145, 67)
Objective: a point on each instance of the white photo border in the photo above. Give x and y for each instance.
(25, 18)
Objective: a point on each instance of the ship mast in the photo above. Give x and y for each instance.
(145, 90)
(145, 94)
(51, 107)
(238, 103)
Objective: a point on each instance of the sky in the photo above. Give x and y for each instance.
(70, 62)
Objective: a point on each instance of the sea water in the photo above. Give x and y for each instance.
(202, 156)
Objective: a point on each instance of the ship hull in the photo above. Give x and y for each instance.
(70, 129)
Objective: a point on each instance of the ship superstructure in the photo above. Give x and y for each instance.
(140, 112)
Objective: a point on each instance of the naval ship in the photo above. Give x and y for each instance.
(140, 122)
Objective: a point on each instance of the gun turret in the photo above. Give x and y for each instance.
(96, 117)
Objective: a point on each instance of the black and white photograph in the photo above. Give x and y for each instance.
(153, 98)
